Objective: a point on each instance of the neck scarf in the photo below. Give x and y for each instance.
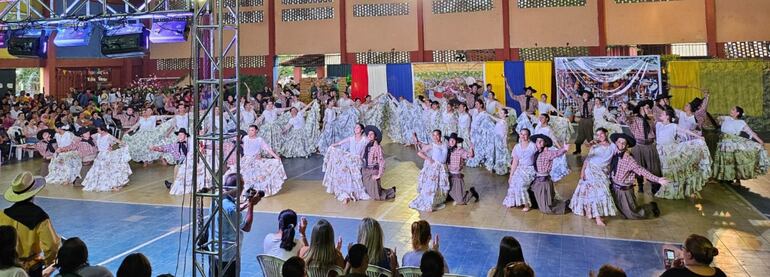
(614, 163)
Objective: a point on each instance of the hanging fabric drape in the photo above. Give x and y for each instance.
(681, 74)
(514, 72)
(733, 83)
(400, 80)
(493, 74)
(359, 78)
(538, 74)
(378, 80)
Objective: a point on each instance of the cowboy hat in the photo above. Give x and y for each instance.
(183, 131)
(24, 187)
(546, 139)
(377, 132)
(49, 131)
(662, 96)
(583, 91)
(475, 85)
(638, 107)
(454, 136)
(696, 103)
(86, 130)
(629, 139)
(530, 88)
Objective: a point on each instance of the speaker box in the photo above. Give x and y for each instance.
(126, 44)
(28, 47)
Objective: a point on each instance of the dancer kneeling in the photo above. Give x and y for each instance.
(522, 172)
(592, 196)
(542, 187)
(374, 166)
(455, 162)
(342, 167)
(432, 182)
(623, 169)
(260, 174)
(111, 169)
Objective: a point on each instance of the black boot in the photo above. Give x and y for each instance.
(168, 184)
(655, 209)
(474, 194)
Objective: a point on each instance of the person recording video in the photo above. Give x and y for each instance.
(233, 188)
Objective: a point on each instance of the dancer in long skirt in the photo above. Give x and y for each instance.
(84, 145)
(342, 167)
(741, 154)
(147, 136)
(662, 104)
(586, 120)
(127, 119)
(645, 152)
(111, 170)
(266, 175)
(271, 124)
(433, 181)
(482, 137)
(447, 118)
(463, 121)
(592, 197)
(685, 162)
(299, 140)
(374, 110)
(395, 124)
(183, 151)
(374, 166)
(457, 155)
(421, 121)
(560, 168)
(65, 166)
(501, 158)
(329, 131)
(623, 167)
(542, 186)
(604, 119)
(522, 173)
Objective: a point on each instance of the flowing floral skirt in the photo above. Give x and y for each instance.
(183, 183)
(168, 128)
(346, 123)
(525, 121)
(483, 138)
(272, 133)
(296, 144)
(447, 128)
(266, 175)
(502, 156)
(328, 134)
(560, 168)
(432, 187)
(109, 172)
(592, 197)
(739, 158)
(374, 115)
(687, 167)
(518, 185)
(464, 133)
(342, 175)
(395, 125)
(612, 128)
(562, 128)
(64, 168)
(141, 141)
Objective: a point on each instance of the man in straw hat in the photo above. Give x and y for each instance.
(623, 169)
(35, 231)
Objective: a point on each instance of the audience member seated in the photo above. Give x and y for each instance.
(510, 252)
(9, 266)
(283, 243)
(358, 260)
(695, 259)
(519, 269)
(610, 271)
(73, 261)
(135, 265)
(322, 251)
(294, 267)
(420, 244)
(370, 235)
(432, 264)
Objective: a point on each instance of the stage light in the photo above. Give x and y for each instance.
(28, 43)
(130, 40)
(70, 36)
(3, 37)
(169, 31)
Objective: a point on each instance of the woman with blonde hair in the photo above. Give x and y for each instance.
(322, 251)
(421, 238)
(370, 235)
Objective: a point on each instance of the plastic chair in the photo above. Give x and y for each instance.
(271, 265)
(376, 271)
(315, 271)
(455, 275)
(409, 271)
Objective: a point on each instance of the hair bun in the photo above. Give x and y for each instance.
(714, 251)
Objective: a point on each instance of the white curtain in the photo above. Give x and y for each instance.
(378, 79)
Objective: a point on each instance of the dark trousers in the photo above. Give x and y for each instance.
(585, 132)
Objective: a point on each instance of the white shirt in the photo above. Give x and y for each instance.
(545, 130)
(665, 133)
(182, 121)
(298, 121)
(329, 115)
(272, 247)
(270, 115)
(501, 129)
(464, 121)
(732, 126)
(525, 154)
(14, 113)
(252, 146)
(13, 272)
(685, 121)
(438, 152)
(247, 118)
(147, 123)
(103, 142)
(492, 105)
(344, 103)
(601, 155)
(544, 108)
(65, 139)
(357, 147)
(599, 113)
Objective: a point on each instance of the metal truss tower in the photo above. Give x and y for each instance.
(215, 47)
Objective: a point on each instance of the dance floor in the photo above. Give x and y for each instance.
(143, 217)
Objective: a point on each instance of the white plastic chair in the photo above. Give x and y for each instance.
(271, 265)
(409, 271)
(315, 271)
(376, 271)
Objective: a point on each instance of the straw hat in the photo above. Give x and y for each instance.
(24, 187)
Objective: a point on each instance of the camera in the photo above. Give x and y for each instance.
(252, 192)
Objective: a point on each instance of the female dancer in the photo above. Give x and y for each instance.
(140, 143)
(560, 169)
(272, 124)
(329, 132)
(373, 110)
(45, 146)
(463, 121)
(604, 119)
(686, 163)
(592, 196)
(84, 146)
(65, 165)
(501, 158)
(448, 119)
(374, 166)
(111, 170)
(739, 158)
(260, 174)
(542, 186)
(456, 157)
(342, 167)
(482, 136)
(396, 123)
(522, 173)
(433, 181)
(299, 140)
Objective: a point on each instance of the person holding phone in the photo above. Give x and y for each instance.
(695, 259)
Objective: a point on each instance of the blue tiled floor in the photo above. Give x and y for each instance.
(110, 229)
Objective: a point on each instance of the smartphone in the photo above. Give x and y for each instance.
(669, 257)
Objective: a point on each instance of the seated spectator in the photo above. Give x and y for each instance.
(370, 235)
(610, 271)
(73, 261)
(322, 251)
(510, 251)
(432, 264)
(283, 244)
(294, 267)
(519, 269)
(697, 255)
(9, 264)
(135, 265)
(358, 260)
(420, 244)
